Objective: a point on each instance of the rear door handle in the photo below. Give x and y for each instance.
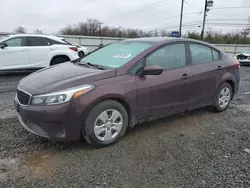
(185, 76)
(219, 68)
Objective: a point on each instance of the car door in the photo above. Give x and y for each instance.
(206, 72)
(39, 48)
(165, 93)
(15, 54)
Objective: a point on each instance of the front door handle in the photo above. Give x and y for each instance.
(219, 68)
(185, 76)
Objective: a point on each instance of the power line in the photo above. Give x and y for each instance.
(176, 25)
(232, 19)
(225, 23)
(144, 9)
(193, 5)
(164, 19)
(247, 6)
(156, 6)
(198, 23)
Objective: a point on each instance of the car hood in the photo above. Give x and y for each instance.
(62, 77)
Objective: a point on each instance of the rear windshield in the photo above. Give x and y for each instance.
(66, 41)
(117, 54)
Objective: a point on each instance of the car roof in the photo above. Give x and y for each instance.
(162, 40)
(36, 35)
(151, 39)
(59, 39)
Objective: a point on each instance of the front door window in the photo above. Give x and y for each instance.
(168, 57)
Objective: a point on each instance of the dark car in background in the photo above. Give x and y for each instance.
(123, 84)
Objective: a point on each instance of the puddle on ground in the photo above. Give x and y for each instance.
(43, 164)
(32, 166)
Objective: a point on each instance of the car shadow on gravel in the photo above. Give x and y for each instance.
(171, 119)
(157, 125)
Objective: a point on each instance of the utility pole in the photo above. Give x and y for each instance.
(208, 3)
(101, 31)
(204, 20)
(180, 30)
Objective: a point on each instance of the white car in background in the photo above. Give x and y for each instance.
(243, 58)
(29, 51)
(82, 51)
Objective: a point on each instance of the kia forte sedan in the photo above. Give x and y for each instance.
(123, 84)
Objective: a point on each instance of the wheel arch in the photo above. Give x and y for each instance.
(59, 56)
(116, 97)
(232, 84)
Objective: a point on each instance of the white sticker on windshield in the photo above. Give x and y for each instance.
(123, 56)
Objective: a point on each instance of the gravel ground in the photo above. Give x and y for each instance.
(195, 149)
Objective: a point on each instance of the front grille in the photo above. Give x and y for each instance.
(23, 97)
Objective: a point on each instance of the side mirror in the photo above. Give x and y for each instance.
(2, 46)
(152, 70)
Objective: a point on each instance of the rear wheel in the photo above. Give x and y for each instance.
(58, 60)
(223, 97)
(108, 122)
(81, 54)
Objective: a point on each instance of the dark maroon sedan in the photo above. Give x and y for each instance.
(120, 85)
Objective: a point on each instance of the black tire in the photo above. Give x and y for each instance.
(81, 54)
(93, 115)
(58, 60)
(216, 106)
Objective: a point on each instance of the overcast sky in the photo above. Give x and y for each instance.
(52, 15)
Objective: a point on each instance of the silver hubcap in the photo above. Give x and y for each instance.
(108, 125)
(224, 98)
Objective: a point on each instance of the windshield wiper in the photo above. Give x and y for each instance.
(95, 65)
(88, 64)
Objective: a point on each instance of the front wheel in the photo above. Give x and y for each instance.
(223, 97)
(107, 122)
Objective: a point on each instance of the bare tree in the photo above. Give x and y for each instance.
(20, 29)
(91, 27)
(164, 34)
(38, 31)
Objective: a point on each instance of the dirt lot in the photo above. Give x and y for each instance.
(196, 149)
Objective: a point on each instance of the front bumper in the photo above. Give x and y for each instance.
(74, 56)
(55, 122)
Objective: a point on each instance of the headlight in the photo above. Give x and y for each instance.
(61, 96)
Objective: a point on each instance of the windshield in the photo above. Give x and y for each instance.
(2, 38)
(116, 55)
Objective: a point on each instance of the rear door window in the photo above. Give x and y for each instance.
(38, 41)
(201, 53)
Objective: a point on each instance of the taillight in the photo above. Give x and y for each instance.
(74, 49)
(236, 64)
